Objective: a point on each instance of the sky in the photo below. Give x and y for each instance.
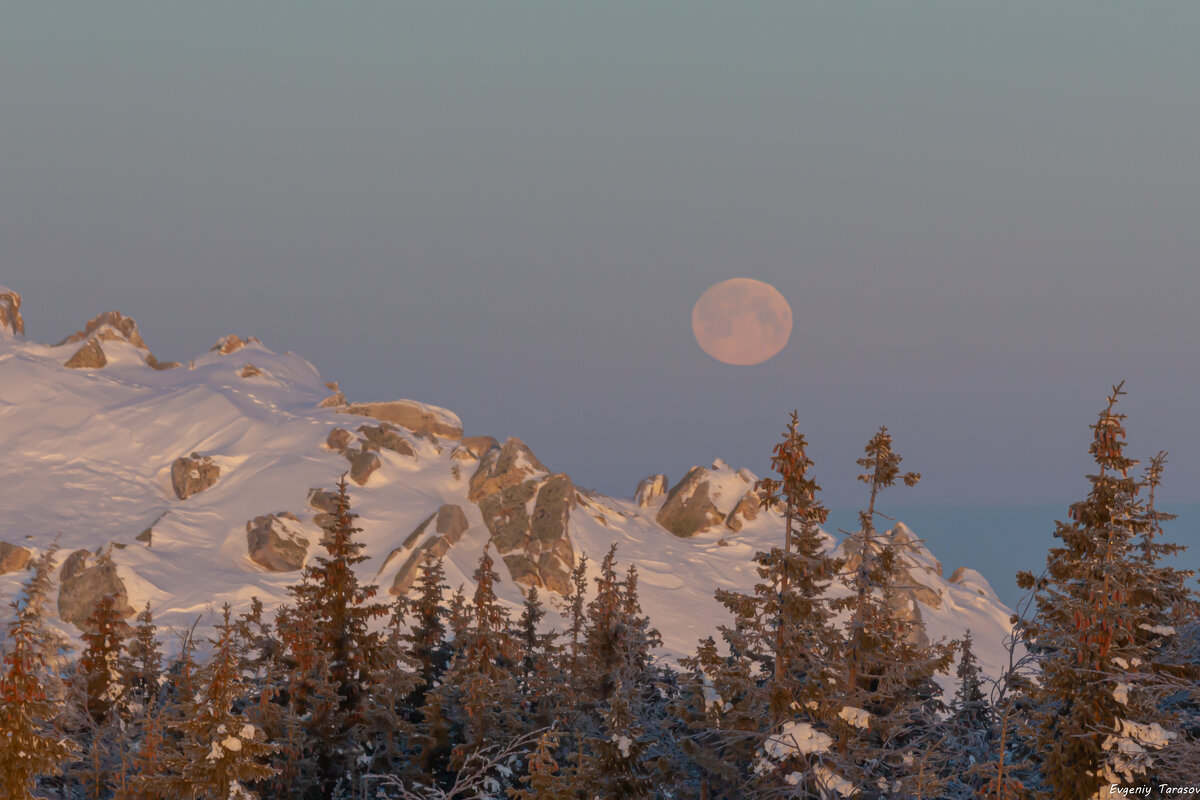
(981, 216)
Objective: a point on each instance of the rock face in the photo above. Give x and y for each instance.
(650, 489)
(746, 509)
(416, 417)
(688, 509)
(193, 474)
(450, 523)
(478, 445)
(90, 356)
(13, 558)
(535, 546)
(79, 594)
(276, 543)
(10, 311)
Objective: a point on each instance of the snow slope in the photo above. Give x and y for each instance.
(87, 455)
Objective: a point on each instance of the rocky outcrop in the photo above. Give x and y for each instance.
(79, 594)
(746, 509)
(231, 344)
(10, 311)
(111, 326)
(689, 509)
(248, 370)
(416, 417)
(193, 474)
(154, 363)
(276, 542)
(90, 356)
(449, 523)
(535, 545)
(650, 489)
(13, 558)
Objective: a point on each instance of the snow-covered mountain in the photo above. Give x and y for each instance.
(204, 483)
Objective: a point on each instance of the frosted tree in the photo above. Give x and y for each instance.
(883, 714)
(775, 673)
(1101, 617)
(30, 745)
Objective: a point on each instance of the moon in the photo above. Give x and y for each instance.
(742, 321)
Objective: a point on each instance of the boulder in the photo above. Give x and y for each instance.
(10, 311)
(385, 436)
(650, 489)
(248, 370)
(90, 356)
(363, 464)
(688, 509)
(193, 474)
(417, 417)
(74, 564)
(339, 439)
(79, 594)
(276, 542)
(746, 509)
(231, 343)
(13, 558)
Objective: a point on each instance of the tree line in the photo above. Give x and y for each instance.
(805, 693)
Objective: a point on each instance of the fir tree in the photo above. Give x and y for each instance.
(544, 780)
(614, 766)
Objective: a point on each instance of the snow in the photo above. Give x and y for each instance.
(232, 744)
(88, 456)
(623, 744)
(856, 717)
(1161, 630)
(796, 737)
(1121, 693)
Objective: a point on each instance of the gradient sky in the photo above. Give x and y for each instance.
(982, 216)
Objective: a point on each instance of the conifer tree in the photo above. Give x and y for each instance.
(779, 642)
(219, 752)
(1098, 624)
(544, 780)
(100, 663)
(30, 746)
(141, 663)
(614, 765)
(883, 712)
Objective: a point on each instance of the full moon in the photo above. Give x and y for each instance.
(742, 321)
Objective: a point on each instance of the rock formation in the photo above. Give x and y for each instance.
(90, 356)
(416, 417)
(689, 509)
(232, 343)
(535, 547)
(650, 489)
(746, 509)
(449, 523)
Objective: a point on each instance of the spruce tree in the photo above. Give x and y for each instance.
(544, 781)
(1100, 616)
(30, 746)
